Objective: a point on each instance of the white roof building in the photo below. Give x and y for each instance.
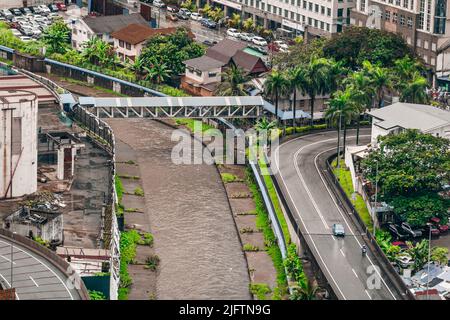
(400, 116)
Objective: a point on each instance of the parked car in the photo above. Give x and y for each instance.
(209, 43)
(25, 10)
(173, 9)
(397, 233)
(233, 33)
(7, 14)
(259, 41)
(431, 228)
(182, 16)
(338, 230)
(53, 7)
(401, 244)
(171, 17)
(27, 31)
(159, 4)
(26, 38)
(16, 12)
(246, 36)
(44, 9)
(185, 11)
(61, 6)
(196, 16)
(208, 23)
(281, 44)
(404, 260)
(443, 228)
(409, 230)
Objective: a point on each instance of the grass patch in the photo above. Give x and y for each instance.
(131, 210)
(260, 290)
(152, 262)
(345, 180)
(119, 188)
(229, 177)
(139, 192)
(192, 124)
(126, 176)
(85, 84)
(96, 295)
(250, 247)
(128, 244)
(263, 224)
(276, 204)
(147, 239)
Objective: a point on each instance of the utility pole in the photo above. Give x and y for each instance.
(339, 148)
(374, 209)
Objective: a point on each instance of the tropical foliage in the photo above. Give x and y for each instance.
(233, 82)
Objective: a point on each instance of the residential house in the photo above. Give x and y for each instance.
(102, 27)
(130, 40)
(400, 116)
(203, 74)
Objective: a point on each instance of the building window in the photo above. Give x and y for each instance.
(16, 139)
(286, 13)
(128, 46)
(322, 9)
(402, 20)
(340, 12)
(329, 12)
(121, 43)
(410, 22)
(405, 4)
(412, 5)
(425, 44)
(212, 74)
(310, 5)
(394, 17)
(309, 21)
(397, 3)
(316, 8)
(362, 6)
(304, 4)
(387, 15)
(440, 16)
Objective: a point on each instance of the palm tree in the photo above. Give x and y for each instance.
(380, 80)
(248, 24)
(235, 21)
(341, 111)
(316, 80)
(295, 78)
(276, 86)
(414, 91)
(233, 82)
(305, 291)
(362, 95)
(157, 72)
(264, 124)
(216, 14)
(56, 39)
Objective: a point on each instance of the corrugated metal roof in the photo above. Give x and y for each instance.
(172, 101)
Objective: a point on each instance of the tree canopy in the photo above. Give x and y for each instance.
(357, 44)
(412, 168)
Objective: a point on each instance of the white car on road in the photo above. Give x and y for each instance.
(233, 33)
(196, 16)
(246, 36)
(185, 12)
(259, 41)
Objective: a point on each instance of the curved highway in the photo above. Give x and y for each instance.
(34, 278)
(311, 202)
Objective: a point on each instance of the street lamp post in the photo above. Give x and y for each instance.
(339, 148)
(429, 258)
(374, 209)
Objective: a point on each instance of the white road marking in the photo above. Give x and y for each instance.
(343, 216)
(368, 294)
(9, 260)
(342, 252)
(356, 275)
(9, 285)
(307, 232)
(62, 282)
(34, 282)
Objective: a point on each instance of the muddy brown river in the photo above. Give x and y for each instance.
(195, 235)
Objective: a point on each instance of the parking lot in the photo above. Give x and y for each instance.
(28, 23)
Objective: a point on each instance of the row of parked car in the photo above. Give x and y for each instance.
(403, 231)
(29, 23)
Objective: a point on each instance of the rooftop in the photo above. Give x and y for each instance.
(204, 63)
(137, 33)
(411, 116)
(225, 49)
(109, 24)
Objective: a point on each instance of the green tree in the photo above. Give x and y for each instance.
(234, 21)
(305, 291)
(380, 80)
(341, 110)
(57, 37)
(316, 80)
(419, 253)
(440, 255)
(295, 78)
(99, 52)
(157, 72)
(264, 124)
(216, 14)
(276, 86)
(233, 82)
(248, 25)
(414, 90)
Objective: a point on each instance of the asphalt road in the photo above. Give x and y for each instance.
(33, 277)
(351, 275)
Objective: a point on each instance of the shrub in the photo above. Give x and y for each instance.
(250, 247)
(139, 192)
(260, 290)
(96, 295)
(228, 177)
(152, 262)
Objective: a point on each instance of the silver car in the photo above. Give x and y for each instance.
(338, 230)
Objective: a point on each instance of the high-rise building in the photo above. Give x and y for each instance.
(422, 23)
(323, 17)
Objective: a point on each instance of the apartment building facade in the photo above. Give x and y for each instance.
(322, 17)
(422, 23)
